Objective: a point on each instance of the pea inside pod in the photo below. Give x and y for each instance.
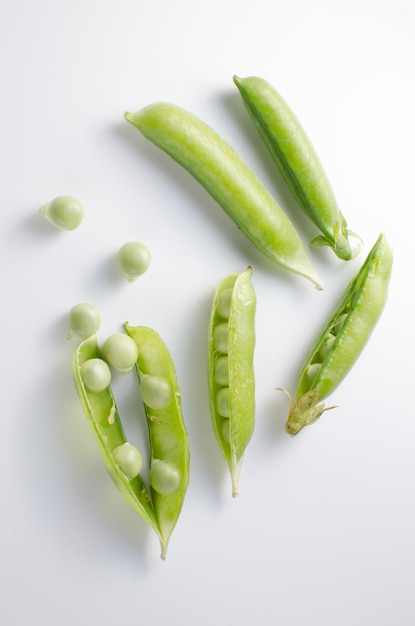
(226, 177)
(343, 338)
(122, 460)
(169, 445)
(298, 163)
(231, 343)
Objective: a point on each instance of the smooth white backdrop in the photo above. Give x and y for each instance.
(322, 532)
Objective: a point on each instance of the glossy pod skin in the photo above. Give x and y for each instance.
(343, 337)
(101, 410)
(225, 176)
(167, 432)
(231, 343)
(297, 162)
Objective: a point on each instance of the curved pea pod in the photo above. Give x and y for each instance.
(102, 413)
(231, 343)
(297, 162)
(343, 338)
(225, 176)
(169, 445)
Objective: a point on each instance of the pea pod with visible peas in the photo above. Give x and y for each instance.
(122, 460)
(297, 162)
(343, 337)
(231, 343)
(225, 176)
(169, 445)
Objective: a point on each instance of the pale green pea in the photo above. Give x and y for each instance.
(220, 338)
(298, 163)
(222, 401)
(133, 260)
(326, 346)
(156, 392)
(121, 352)
(231, 378)
(221, 371)
(354, 319)
(223, 306)
(64, 212)
(129, 459)
(165, 477)
(312, 371)
(96, 375)
(226, 177)
(84, 321)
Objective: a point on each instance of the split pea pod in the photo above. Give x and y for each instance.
(297, 162)
(231, 343)
(169, 445)
(102, 413)
(225, 176)
(343, 338)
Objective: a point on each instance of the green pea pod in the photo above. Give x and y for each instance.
(231, 341)
(343, 337)
(220, 170)
(101, 410)
(297, 162)
(169, 445)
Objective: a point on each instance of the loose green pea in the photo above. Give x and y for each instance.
(165, 477)
(64, 212)
(84, 321)
(169, 444)
(121, 352)
(96, 375)
(297, 162)
(358, 311)
(121, 460)
(231, 370)
(221, 171)
(129, 459)
(133, 260)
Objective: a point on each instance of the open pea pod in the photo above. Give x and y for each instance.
(169, 445)
(343, 337)
(231, 343)
(102, 413)
(298, 163)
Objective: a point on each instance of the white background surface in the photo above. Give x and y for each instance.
(323, 530)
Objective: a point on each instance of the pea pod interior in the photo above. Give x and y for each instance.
(167, 431)
(231, 341)
(102, 413)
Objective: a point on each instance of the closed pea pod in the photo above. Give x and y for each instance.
(343, 337)
(122, 460)
(169, 445)
(226, 177)
(297, 161)
(231, 370)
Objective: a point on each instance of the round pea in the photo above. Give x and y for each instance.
(223, 306)
(64, 212)
(133, 260)
(121, 352)
(220, 338)
(129, 459)
(165, 477)
(226, 431)
(222, 401)
(221, 371)
(95, 374)
(155, 392)
(84, 320)
(312, 371)
(326, 346)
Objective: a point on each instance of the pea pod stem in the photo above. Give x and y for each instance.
(298, 162)
(225, 176)
(348, 330)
